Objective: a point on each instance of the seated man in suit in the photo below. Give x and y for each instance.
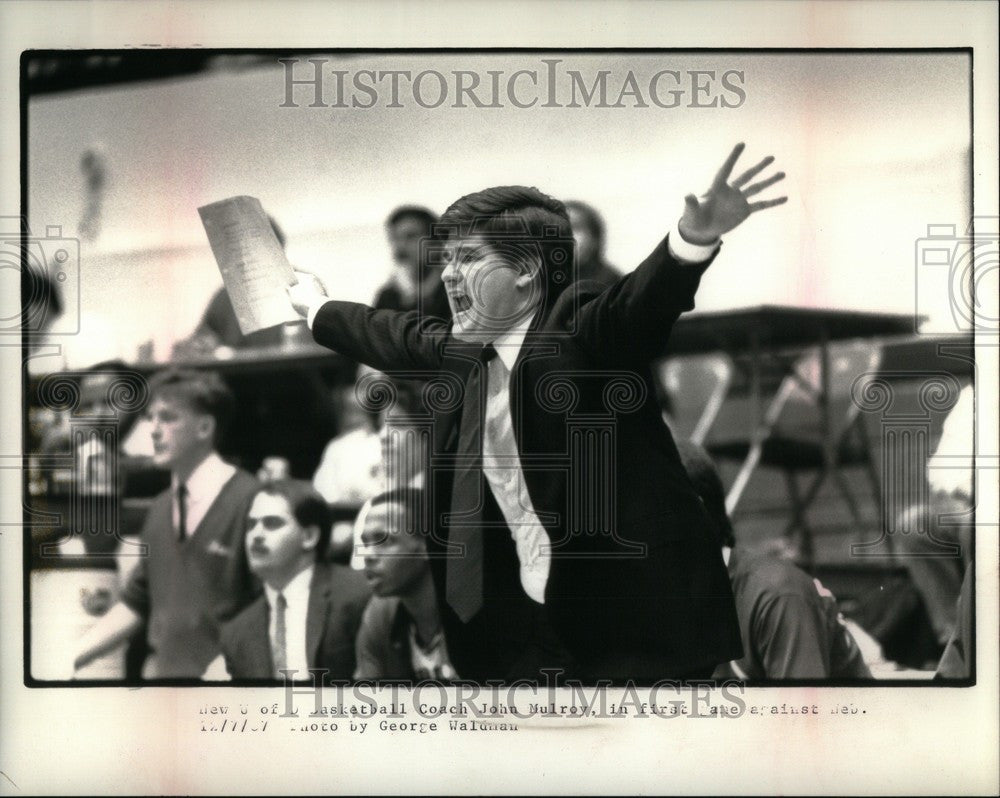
(193, 574)
(309, 614)
(401, 635)
(564, 533)
(790, 624)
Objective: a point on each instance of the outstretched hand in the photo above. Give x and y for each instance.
(725, 205)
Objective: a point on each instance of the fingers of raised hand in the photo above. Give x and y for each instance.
(759, 206)
(752, 172)
(722, 177)
(742, 184)
(759, 186)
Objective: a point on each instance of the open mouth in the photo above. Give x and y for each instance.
(460, 302)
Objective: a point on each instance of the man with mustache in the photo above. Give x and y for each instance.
(564, 533)
(309, 614)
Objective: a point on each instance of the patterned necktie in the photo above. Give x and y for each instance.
(280, 653)
(464, 582)
(182, 494)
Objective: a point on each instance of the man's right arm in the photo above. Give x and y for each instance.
(386, 340)
(383, 339)
(114, 628)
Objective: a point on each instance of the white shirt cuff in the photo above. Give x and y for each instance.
(685, 250)
(313, 310)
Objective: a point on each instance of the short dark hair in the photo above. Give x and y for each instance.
(308, 507)
(425, 216)
(40, 296)
(505, 211)
(592, 219)
(707, 483)
(204, 391)
(413, 502)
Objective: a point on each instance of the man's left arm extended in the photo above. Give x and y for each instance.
(634, 317)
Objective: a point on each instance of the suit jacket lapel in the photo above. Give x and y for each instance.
(458, 360)
(317, 612)
(531, 349)
(258, 642)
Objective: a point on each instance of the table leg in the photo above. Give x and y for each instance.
(829, 445)
(829, 468)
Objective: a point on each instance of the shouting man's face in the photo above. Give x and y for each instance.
(491, 287)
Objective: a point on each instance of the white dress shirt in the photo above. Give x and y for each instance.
(351, 467)
(501, 459)
(503, 472)
(203, 487)
(296, 595)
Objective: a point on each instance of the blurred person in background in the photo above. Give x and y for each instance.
(372, 457)
(951, 478)
(915, 616)
(349, 468)
(945, 578)
(99, 469)
(789, 622)
(310, 612)
(193, 574)
(41, 307)
(589, 235)
(413, 284)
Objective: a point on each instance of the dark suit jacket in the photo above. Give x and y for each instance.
(383, 643)
(337, 598)
(637, 588)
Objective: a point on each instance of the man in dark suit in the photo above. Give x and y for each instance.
(310, 611)
(564, 533)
